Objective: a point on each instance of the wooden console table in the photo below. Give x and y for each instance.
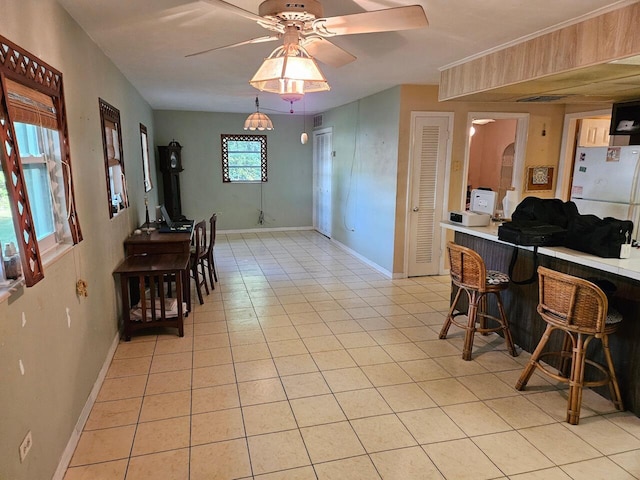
(155, 243)
(145, 303)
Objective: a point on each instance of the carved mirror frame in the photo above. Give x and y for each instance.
(117, 199)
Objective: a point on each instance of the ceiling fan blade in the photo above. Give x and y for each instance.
(387, 20)
(327, 52)
(241, 11)
(246, 42)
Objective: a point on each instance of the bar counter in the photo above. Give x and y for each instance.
(521, 300)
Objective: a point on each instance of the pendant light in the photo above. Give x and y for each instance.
(304, 138)
(258, 120)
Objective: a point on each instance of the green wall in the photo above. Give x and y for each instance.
(62, 340)
(287, 196)
(365, 141)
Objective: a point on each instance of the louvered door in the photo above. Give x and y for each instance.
(322, 167)
(428, 157)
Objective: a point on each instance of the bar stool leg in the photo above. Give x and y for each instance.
(565, 361)
(505, 327)
(576, 380)
(445, 328)
(614, 389)
(474, 300)
(525, 376)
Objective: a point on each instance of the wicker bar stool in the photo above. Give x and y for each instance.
(578, 308)
(470, 275)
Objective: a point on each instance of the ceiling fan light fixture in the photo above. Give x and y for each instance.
(290, 72)
(258, 120)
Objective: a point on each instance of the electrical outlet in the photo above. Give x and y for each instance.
(25, 446)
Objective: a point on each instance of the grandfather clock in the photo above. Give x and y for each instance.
(171, 166)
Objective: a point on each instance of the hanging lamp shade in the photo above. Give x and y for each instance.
(258, 120)
(290, 72)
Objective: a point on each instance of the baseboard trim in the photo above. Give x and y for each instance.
(363, 259)
(67, 454)
(266, 229)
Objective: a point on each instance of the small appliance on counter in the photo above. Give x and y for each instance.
(470, 219)
(483, 204)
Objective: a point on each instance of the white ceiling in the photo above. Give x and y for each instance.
(148, 41)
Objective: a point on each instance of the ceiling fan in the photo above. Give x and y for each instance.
(303, 21)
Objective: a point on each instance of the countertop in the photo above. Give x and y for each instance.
(625, 267)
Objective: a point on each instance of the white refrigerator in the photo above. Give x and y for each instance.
(605, 182)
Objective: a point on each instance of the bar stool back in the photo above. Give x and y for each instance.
(469, 274)
(578, 308)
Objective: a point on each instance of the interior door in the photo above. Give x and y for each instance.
(322, 166)
(426, 193)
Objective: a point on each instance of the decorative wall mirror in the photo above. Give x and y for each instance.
(146, 171)
(113, 159)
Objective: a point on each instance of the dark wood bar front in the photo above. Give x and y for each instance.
(527, 326)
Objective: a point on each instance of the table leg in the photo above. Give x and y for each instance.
(186, 289)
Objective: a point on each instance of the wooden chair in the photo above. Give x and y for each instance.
(209, 258)
(470, 275)
(578, 308)
(197, 258)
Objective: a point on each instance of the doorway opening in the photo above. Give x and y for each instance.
(584, 129)
(495, 153)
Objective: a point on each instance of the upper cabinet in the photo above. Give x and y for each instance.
(594, 132)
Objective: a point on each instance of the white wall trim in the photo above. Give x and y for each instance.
(67, 454)
(373, 265)
(263, 230)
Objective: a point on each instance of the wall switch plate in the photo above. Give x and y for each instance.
(25, 446)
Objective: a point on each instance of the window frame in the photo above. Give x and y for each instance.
(21, 66)
(225, 138)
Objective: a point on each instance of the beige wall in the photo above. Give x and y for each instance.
(541, 149)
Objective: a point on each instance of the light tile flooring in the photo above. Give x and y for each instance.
(305, 363)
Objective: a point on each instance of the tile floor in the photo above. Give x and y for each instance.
(305, 363)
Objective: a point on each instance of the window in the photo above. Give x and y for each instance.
(38, 146)
(36, 165)
(244, 158)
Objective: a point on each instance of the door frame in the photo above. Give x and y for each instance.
(522, 132)
(316, 133)
(445, 191)
(567, 150)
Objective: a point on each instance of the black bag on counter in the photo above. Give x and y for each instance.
(598, 236)
(550, 211)
(531, 233)
(536, 222)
